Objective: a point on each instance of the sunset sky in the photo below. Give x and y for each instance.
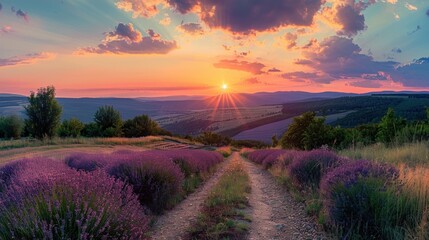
(141, 48)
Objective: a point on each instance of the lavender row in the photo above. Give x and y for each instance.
(103, 196)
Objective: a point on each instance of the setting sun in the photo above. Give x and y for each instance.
(224, 86)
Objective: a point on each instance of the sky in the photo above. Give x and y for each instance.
(148, 48)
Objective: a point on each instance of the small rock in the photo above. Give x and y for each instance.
(280, 227)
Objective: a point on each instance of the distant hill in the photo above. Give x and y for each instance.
(363, 108)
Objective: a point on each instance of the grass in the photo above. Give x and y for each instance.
(223, 216)
(22, 143)
(412, 154)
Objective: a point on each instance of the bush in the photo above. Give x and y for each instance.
(109, 121)
(156, 183)
(76, 205)
(140, 126)
(308, 168)
(213, 139)
(71, 128)
(11, 127)
(356, 195)
(91, 130)
(86, 162)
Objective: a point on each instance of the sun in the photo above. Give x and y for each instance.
(224, 87)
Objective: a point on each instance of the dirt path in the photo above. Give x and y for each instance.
(275, 214)
(173, 224)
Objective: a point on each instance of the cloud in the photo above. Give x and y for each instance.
(346, 16)
(397, 50)
(243, 17)
(191, 28)
(274, 70)
(427, 13)
(139, 8)
(127, 40)
(290, 40)
(252, 80)
(21, 14)
(414, 74)
(166, 21)
(26, 59)
(251, 67)
(1, 7)
(392, 1)
(339, 58)
(6, 29)
(301, 76)
(411, 7)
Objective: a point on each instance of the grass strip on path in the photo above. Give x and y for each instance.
(224, 213)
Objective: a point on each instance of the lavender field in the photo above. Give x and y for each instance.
(97, 196)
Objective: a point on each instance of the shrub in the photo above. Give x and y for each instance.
(356, 195)
(71, 128)
(308, 168)
(156, 183)
(140, 126)
(86, 162)
(109, 121)
(11, 127)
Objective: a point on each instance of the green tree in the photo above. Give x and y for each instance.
(140, 126)
(11, 127)
(294, 136)
(213, 139)
(71, 128)
(318, 134)
(43, 113)
(389, 126)
(91, 130)
(109, 121)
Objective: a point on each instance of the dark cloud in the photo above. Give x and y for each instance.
(397, 50)
(339, 58)
(126, 31)
(251, 67)
(21, 14)
(427, 13)
(192, 28)
(26, 59)
(183, 6)
(301, 76)
(351, 18)
(246, 16)
(274, 70)
(1, 7)
(127, 40)
(414, 74)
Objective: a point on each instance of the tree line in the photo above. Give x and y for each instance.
(308, 132)
(43, 120)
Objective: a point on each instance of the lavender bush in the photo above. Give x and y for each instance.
(358, 199)
(308, 168)
(47, 200)
(267, 157)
